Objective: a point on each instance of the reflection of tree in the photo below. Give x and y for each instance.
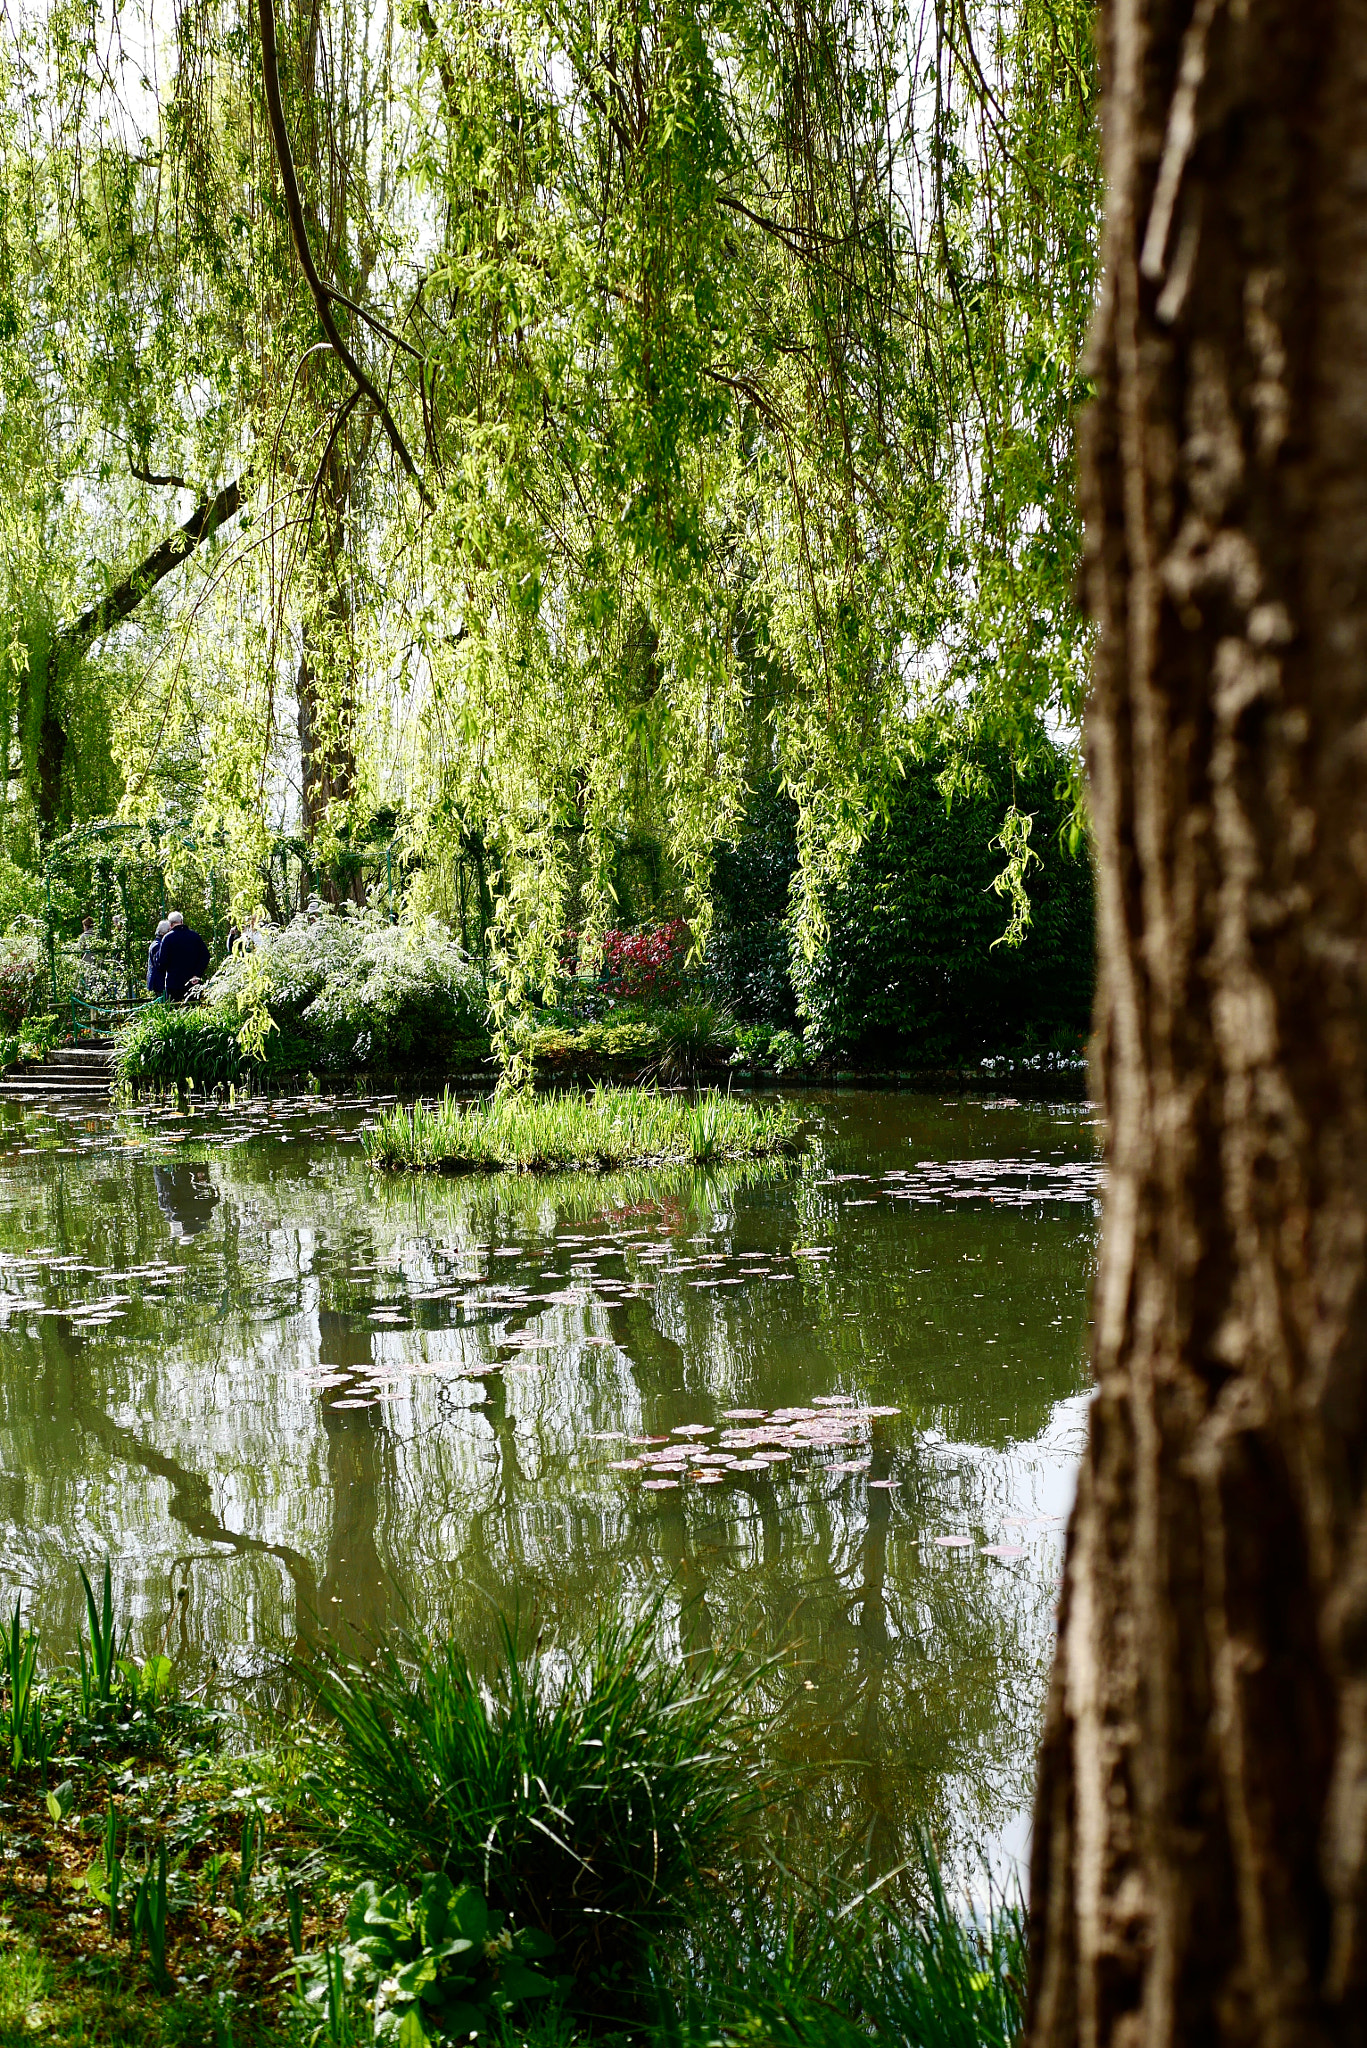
(65, 1384)
(924, 1665)
(361, 1477)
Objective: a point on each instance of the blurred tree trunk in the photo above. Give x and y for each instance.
(1200, 1860)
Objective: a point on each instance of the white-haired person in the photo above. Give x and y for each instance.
(182, 957)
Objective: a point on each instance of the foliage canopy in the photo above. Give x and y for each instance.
(696, 410)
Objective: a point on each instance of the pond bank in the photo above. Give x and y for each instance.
(603, 1861)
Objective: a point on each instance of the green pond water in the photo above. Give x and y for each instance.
(831, 1410)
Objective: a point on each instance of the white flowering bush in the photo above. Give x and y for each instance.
(347, 989)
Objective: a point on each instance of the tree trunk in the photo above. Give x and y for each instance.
(1200, 1860)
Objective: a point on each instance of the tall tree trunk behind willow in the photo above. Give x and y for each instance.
(1200, 1862)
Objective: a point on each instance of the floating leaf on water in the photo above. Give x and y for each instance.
(885, 1484)
(693, 1429)
(659, 1485)
(851, 1465)
(745, 1414)
(955, 1542)
(749, 1465)
(626, 1465)
(709, 1478)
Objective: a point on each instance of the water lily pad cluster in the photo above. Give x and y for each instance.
(757, 1439)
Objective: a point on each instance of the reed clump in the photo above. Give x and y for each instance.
(601, 1129)
(582, 1793)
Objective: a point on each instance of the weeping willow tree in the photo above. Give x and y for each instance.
(537, 417)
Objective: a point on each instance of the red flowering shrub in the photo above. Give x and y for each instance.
(646, 966)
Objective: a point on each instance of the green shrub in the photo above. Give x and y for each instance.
(910, 966)
(168, 1044)
(581, 1794)
(347, 989)
(748, 946)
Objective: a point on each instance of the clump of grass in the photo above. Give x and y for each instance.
(610, 1127)
(583, 1794)
(800, 1972)
(166, 1043)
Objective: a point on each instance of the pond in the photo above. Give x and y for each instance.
(829, 1409)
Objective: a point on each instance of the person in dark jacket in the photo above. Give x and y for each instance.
(182, 957)
(154, 980)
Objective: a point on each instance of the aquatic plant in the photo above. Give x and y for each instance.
(583, 1794)
(602, 1129)
(804, 1971)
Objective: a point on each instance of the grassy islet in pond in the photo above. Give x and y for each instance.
(609, 1127)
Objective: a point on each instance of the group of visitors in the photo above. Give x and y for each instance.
(176, 957)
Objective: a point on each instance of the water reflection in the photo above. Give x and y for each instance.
(186, 1197)
(289, 1399)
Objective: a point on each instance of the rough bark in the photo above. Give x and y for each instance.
(1200, 1861)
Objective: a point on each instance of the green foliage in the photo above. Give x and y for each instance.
(759, 1045)
(149, 1918)
(21, 1729)
(911, 962)
(751, 885)
(738, 356)
(433, 1966)
(582, 1794)
(21, 893)
(799, 1972)
(23, 974)
(683, 1044)
(165, 1043)
(98, 1670)
(347, 990)
(68, 1713)
(608, 1128)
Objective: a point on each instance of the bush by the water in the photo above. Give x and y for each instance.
(684, 1043)
(349, 989)
(164, 1043)
(609, 1127)
(330, 992)
(583, 1795)
(912, 964)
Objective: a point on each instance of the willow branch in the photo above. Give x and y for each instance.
(125, 597)
(322, 295)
